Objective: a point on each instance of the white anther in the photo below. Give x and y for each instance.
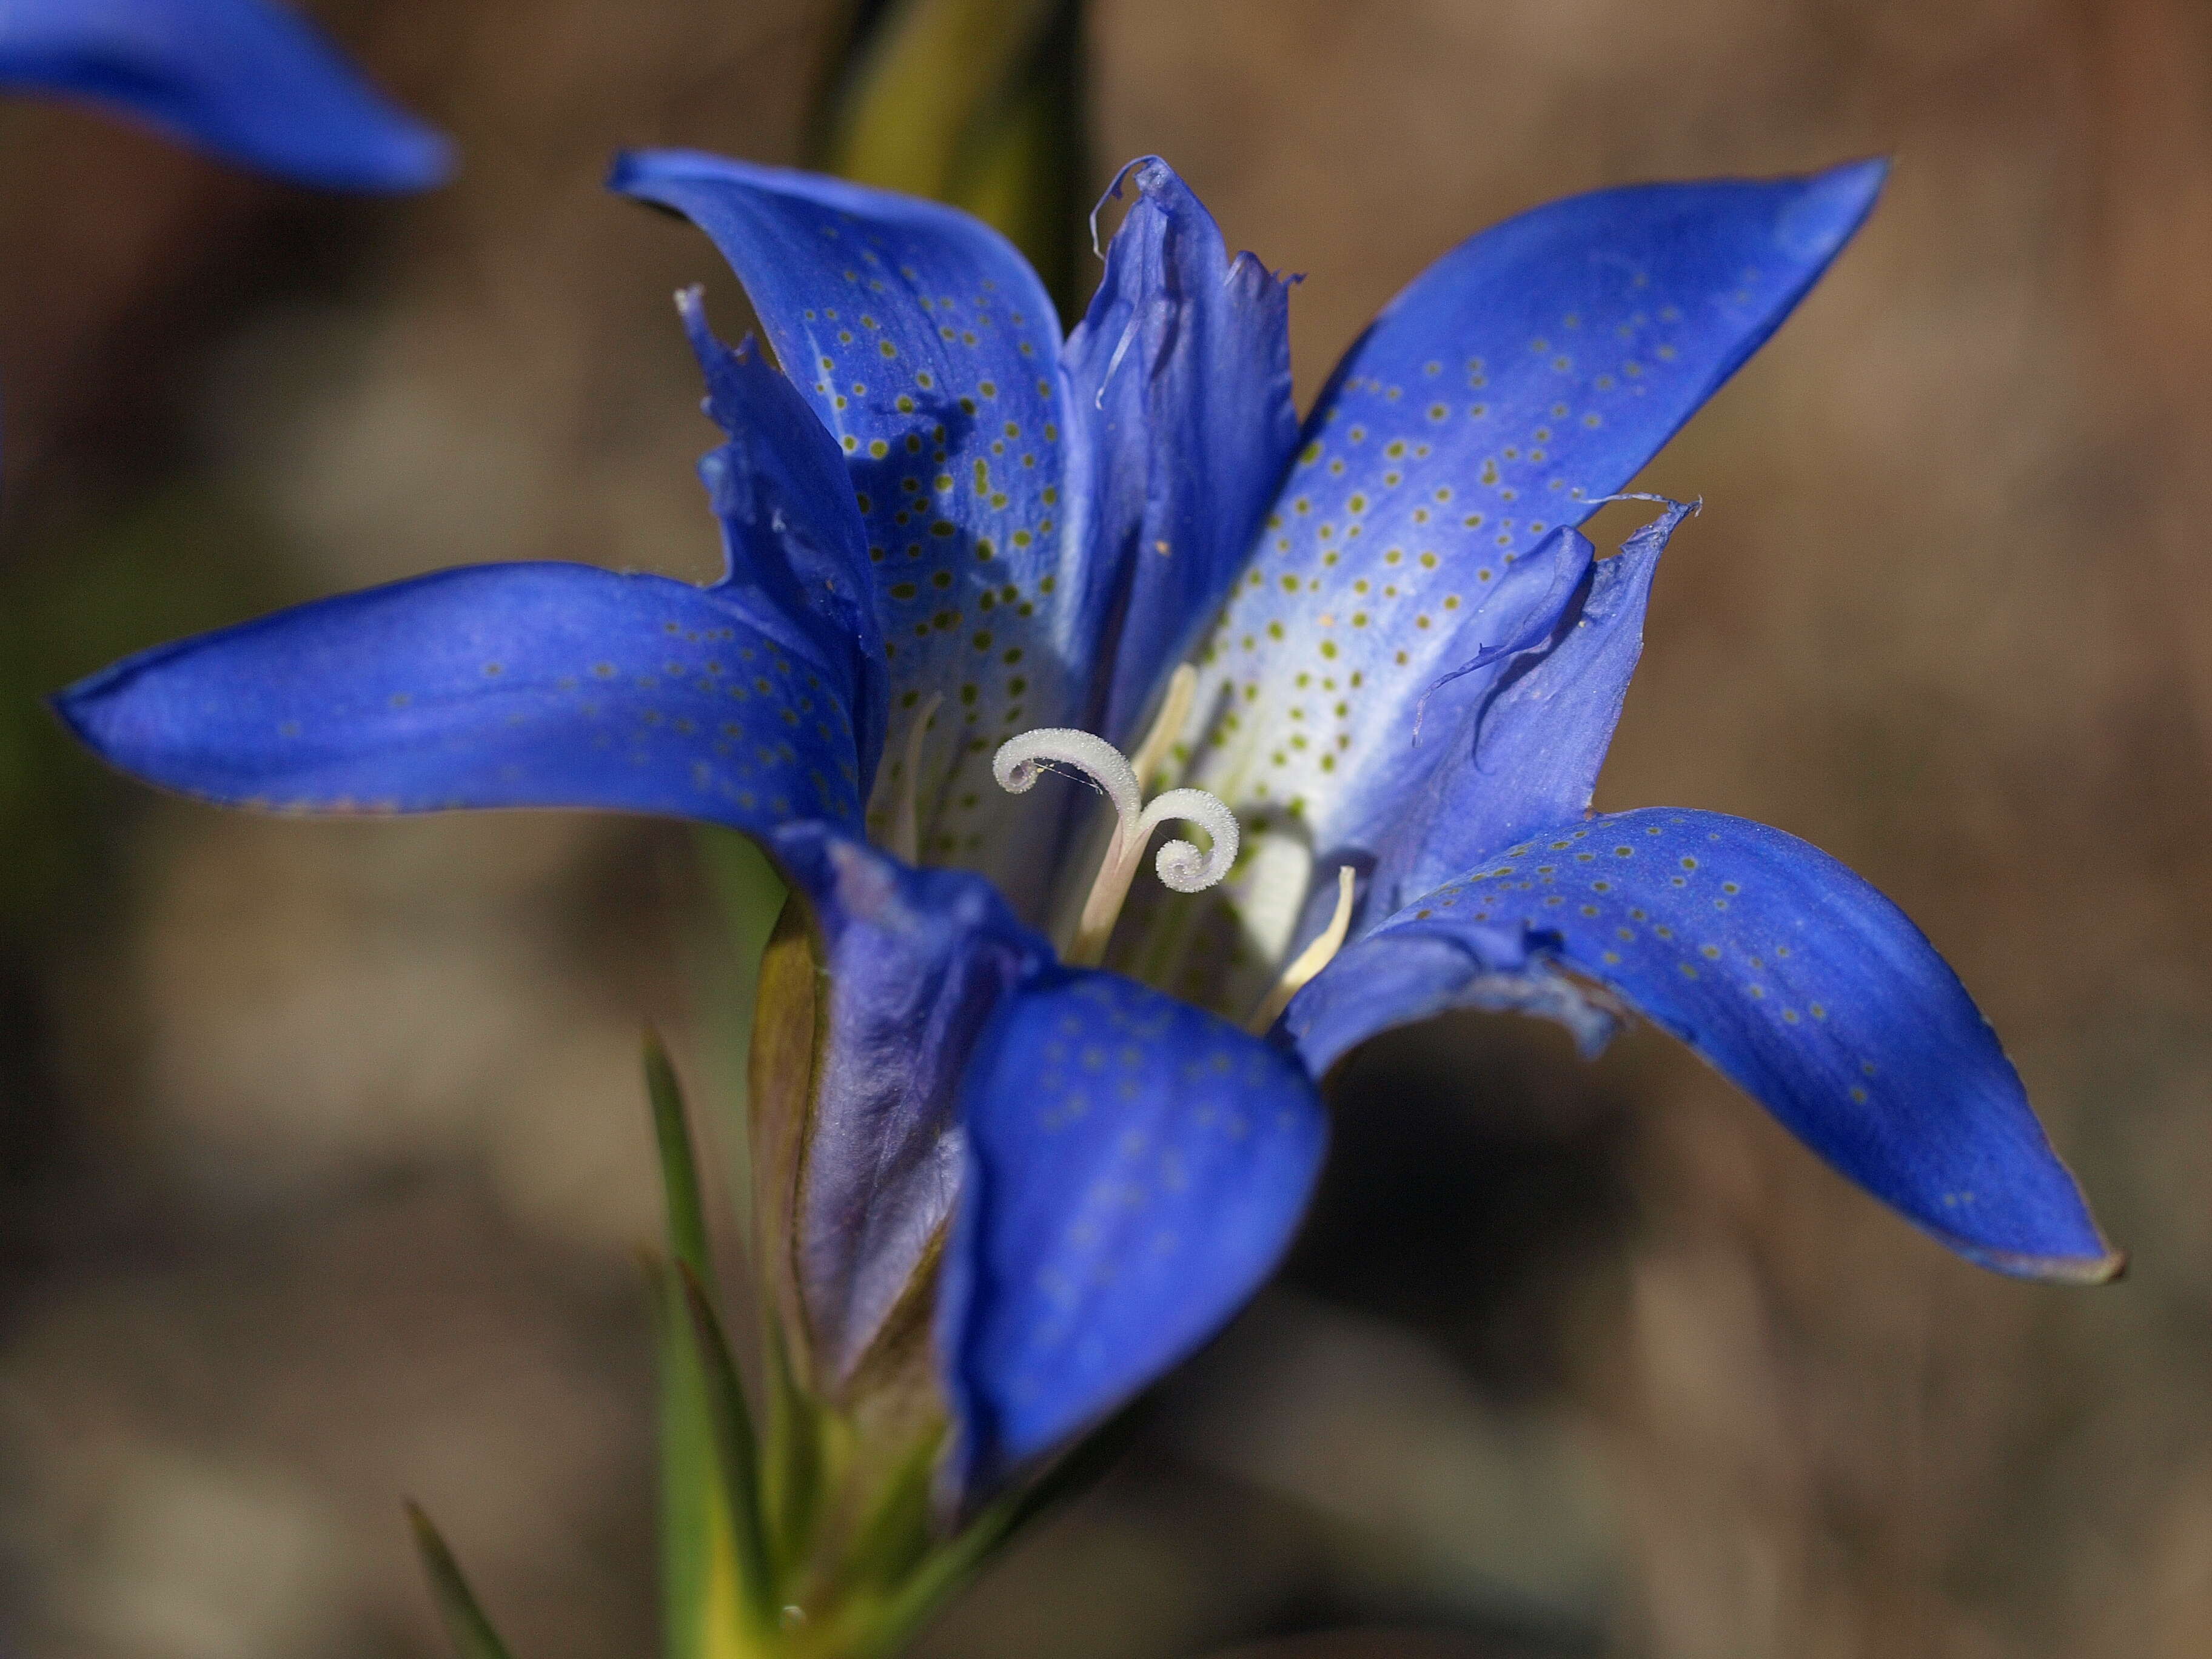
(1167, 725)
(1310, 961)
(1180, 864)
(906, 815)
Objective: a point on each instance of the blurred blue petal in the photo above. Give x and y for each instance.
(1792, 976)
(1181, 376)
(927, 346)
(1515, 744)
(491, 686)
(1136, 1168)
(1525, 374)
(793, 542)
(252, 82)
(917, 961)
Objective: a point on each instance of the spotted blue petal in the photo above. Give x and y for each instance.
(1795, 978)
(492, 685)
(793, 542)
(1135, 1169)
(251, 81)
(1525, 374)
(915, 963)
(928, 348)
(1182, 371)
(1508, 751)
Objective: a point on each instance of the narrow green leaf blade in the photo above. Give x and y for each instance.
(694, 1532)
(738, 1451)
(679, 1169)
(472, 1633)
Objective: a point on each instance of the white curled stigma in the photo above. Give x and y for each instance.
(1180, 864)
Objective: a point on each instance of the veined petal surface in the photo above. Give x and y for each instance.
(490, 685)
(927, 346)
(917, 961)
(1528, 373)
(1135, 1169)
(1180, 374)
(1792, 975)
(249, 81)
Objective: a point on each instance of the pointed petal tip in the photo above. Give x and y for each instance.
(1153, 176)
(418, 157)
(2106, 1267)
(1832, 206)
(627, 169)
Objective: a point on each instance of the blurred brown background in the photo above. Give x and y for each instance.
(321, 1148)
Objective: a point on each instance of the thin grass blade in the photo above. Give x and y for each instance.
(472, 1633)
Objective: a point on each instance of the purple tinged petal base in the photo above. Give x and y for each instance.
(913, 964)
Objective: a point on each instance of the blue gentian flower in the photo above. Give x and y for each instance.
(246, 80)
(1372, 655)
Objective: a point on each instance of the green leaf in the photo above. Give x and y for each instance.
(679, 1172)
(697, 1563)
(472, 1633)
(737, 1454)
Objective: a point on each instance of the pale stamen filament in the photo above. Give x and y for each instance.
(1180, 864)
(1167, 725)
(906, 816)
(1310, 961)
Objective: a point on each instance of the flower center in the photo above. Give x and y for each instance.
(1180, 864)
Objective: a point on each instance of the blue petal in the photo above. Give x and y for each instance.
(793, 542)
(1182, 371)
(1517, 745)
(249, 81)
(1792, 975)
(917, 961)
(1136, 1168)
(929, 350)
(494, 685)
(1526, 375)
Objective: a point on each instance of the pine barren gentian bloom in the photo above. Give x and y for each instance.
(963, 555)
(246, 80)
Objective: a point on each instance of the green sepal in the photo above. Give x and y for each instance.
(471, 1632)
(795, 1458)
(947, 1568)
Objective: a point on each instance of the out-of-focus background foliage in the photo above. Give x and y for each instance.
(322, 1150)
